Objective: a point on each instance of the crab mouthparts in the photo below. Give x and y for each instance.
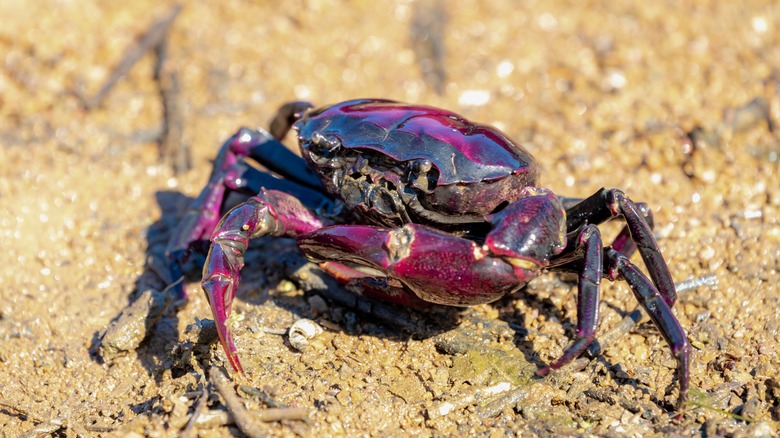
(522, 263)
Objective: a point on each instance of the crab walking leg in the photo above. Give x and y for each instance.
(286, 115)
(588, 291)
(622, 242)
(232, 174)
(270, 213)
(607, 204)
(659, 310)
(202, 214)
(249, 180)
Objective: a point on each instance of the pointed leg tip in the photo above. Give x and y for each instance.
(682, 401)
(230, 351)
(232, 357)
(236, 363)
(220, 291)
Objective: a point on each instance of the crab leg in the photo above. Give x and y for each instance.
(270, 213)
(607, 204)
(202, 214)
(232, 174)
(622, 242)
(588, 290)
(660, 312)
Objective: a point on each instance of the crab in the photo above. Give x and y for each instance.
(414, 205)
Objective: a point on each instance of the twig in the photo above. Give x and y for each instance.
(148, 41)
(212, 418)
(51, 425)
(48, 426)
(281, 414)
(262, 396)
(429, 19)
(245, 420)
(42, 430)
(204, 396)
(21, 411)
(273, 331)
(94, 428)
(171, 149)
(510, 398)
(471, 396)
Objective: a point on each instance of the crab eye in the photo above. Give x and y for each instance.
(423, 175)
(421, 167)
(328, 143)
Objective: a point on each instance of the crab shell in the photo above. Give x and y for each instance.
(396, 163)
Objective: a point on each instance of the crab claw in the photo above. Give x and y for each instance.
(270, 213)
(219, 282)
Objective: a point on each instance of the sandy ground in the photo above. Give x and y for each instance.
(604, 93)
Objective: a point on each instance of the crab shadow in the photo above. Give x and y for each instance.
(148, 324)
(455, 330)
(270, 262)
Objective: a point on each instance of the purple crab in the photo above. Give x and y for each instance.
(413, 205)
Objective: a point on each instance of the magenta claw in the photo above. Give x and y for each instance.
(220, 293)
(221, 275)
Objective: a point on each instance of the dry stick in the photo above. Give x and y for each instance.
(511, 398)
(42, 430)
(427, 29)
(21, 411)
(262, 396)
(47, 427)
(171, 149)
(148, 41)
(93, 428)
(204, 396)
(467, 398)
(245, 420)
